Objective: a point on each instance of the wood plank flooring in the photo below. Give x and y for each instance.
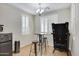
(24, 51)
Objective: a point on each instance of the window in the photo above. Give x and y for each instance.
(25, 25)
(43, 24)
(46, 22)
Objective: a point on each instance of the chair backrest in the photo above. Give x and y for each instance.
(59, 32)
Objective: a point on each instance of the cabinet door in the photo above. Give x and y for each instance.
(6, 48)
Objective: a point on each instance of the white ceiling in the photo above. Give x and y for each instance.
(32, 7)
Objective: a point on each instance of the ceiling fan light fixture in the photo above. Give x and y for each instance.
(42, 10)
(38, 10)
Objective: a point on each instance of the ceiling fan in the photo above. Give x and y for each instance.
(41, 10)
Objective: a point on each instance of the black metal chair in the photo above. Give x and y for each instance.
(61, 36)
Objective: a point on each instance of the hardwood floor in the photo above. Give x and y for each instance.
(25, 51)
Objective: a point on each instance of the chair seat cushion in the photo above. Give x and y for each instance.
(61, 46)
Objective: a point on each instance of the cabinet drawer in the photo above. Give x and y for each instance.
(5, 37)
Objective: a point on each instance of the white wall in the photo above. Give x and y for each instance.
(63, 16)
(75, 29)
(10, 17)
